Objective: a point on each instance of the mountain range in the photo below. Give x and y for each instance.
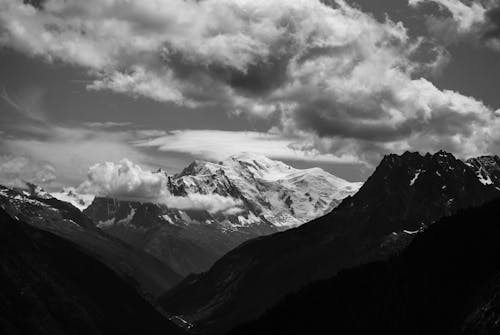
(39, 209)
(51, 286)
(272, 196)
(405, 195)
(365, 252)
(445, 282)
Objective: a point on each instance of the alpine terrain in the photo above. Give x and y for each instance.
(404, 196)
(270, 196)
(51, 286)
(445, 282)
(38, 208)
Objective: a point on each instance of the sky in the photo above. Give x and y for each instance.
(334, 84)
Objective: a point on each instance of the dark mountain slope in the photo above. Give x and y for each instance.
(49, 286)
(181, 239)
(445, 282)
(41, 210)
(404, 194)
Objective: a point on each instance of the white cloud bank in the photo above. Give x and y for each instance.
(128, 181)
(348, 84)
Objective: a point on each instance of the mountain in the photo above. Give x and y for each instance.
(70, 195)
(271, 190)
(273, 197)
(403, 196)
(50, 286)
(446, 282)
(186, 240)
(487, 169)
(40, 209)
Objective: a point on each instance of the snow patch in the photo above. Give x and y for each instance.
(415, 177)
(484, 180)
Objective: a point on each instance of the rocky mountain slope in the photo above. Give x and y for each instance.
(273, 197)
(404, 195)
(445, 282)
(70, 195)
(40, 209)
(50, 286)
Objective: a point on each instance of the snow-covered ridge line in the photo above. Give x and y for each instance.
(283, 195)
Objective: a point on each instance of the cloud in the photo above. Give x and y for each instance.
(17, 170)
(474, 20)
(123, 180)
(492, 28)
(219, 144)
(212, 203)
(129, 181)
(71, 149)
(236, 54)
(107, 124)
(466, 17)
(338, 82)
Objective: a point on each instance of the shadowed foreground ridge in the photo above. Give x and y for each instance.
(446, 282)
(49, 286)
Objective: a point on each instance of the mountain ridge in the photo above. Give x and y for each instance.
(435, 286)
(50, 286)
(39, 209)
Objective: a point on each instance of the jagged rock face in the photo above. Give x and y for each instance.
(404, 195)
(274, 197)
(487, 169)
(50, 286)
(411, 190)
(40, 209)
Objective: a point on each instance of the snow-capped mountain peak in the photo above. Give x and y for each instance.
(270, 189)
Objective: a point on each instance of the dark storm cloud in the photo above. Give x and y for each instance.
(492, 30)
(38, 4)
(257, 79)
(369, 122)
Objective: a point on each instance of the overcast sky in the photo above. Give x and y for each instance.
(335, 84)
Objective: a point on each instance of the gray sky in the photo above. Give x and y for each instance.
(332, 84)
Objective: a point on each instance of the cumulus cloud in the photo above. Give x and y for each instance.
(129, 181)
(124, 180)
(345, 82)
(17, 170)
